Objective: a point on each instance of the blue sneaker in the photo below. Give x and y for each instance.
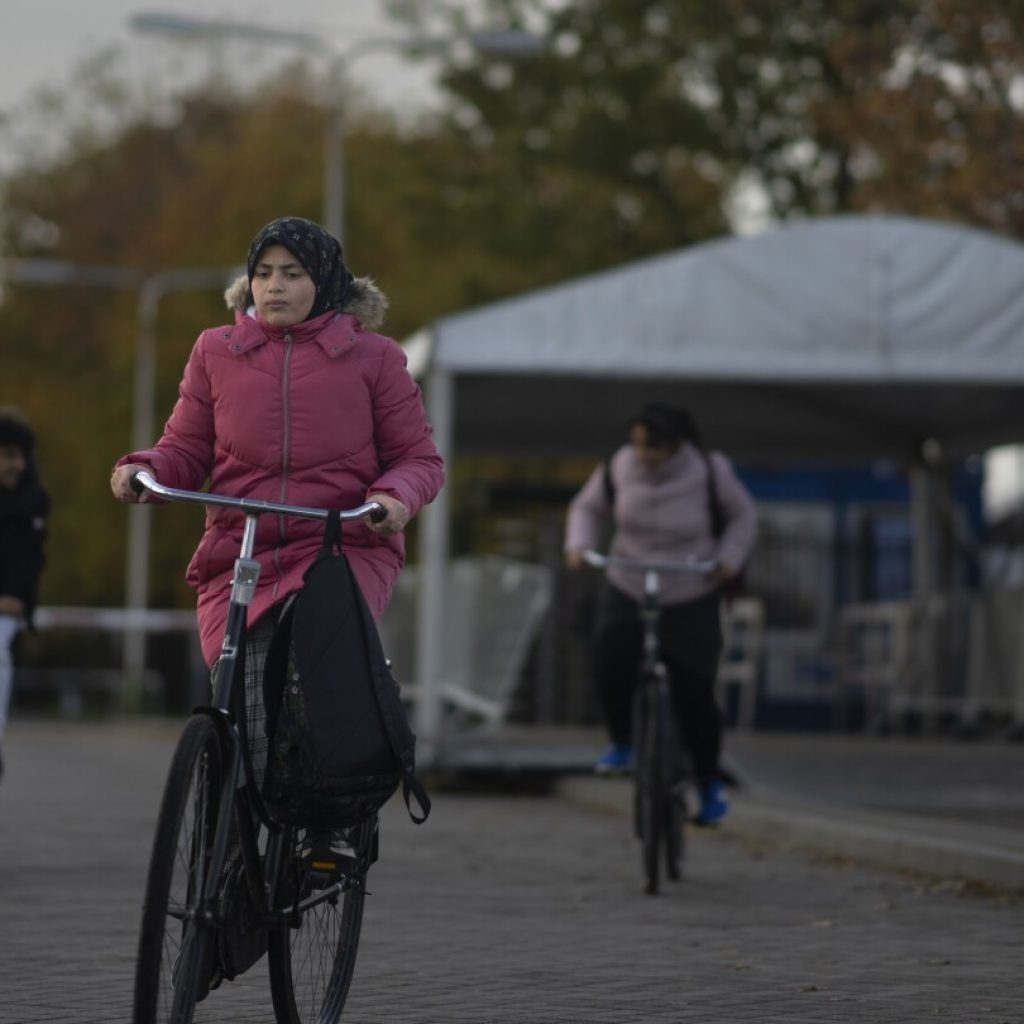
(616, 759)
(713, 804)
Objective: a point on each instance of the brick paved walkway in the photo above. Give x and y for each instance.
(500, 909)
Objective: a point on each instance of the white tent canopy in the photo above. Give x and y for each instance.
(848, 337)
(843, 336)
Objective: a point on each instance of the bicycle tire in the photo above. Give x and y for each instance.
(649, 788)
(312, 958)
(175, 947)
(674, 766)
(675, 835)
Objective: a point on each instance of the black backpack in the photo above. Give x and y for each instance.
(339, 739)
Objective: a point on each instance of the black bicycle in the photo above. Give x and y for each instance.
(227, 883)
(661, 767)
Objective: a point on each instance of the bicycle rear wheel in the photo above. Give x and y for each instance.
(175, 945)
(313, 956)
(648, 781)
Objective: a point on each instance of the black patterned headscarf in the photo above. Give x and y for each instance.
(317, 250)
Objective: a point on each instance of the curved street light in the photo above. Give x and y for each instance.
(510, 42)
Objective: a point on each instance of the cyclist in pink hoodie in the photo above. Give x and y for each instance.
(297, 401)
(666, 498)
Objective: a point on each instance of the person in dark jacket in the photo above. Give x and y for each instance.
(24, 506)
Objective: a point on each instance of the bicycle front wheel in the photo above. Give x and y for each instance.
(675, 836)
(312, 956)
(175, 944)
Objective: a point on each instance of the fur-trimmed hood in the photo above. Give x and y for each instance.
(365, 301)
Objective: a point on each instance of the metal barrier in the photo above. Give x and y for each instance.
(494, 608)
(742, 648)
(71, 684)
(899, 658)
(995, 667)
(875, 657)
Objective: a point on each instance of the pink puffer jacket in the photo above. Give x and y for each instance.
(322, 414)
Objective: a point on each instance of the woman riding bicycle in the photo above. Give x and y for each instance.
(298, 401)
(667, 498)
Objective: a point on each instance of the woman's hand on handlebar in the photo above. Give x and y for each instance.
(396, 518)
(120, 483)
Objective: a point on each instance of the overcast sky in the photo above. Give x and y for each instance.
(41, 41)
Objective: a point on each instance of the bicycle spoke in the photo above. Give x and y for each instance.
(312, 963)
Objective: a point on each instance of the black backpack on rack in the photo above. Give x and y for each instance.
(339, 739)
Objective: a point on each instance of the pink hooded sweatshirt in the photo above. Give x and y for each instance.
(320, 414)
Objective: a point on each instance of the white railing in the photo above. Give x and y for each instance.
(71, 684)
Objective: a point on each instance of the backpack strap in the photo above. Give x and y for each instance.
(608, 484)
(714, 505)
(332, 534)
(411, 784)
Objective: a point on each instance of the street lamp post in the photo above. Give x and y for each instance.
(151, 290)
(498, 42)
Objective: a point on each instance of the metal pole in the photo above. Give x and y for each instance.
(334, 157)
(923, 566)
(431, 597)
(137, 564)
(151, 291)
(334, 151)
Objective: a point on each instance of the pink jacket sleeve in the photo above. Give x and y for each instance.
(589, 513)
(737, 539)
(413, 469)
(183, 456)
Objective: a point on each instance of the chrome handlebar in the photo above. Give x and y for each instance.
(144, 481)
(692, 565)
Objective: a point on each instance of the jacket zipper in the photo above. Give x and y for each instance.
(284, 456)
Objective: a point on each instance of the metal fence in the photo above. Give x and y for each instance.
(517, 638)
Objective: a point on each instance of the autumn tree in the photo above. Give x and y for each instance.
(667, 111)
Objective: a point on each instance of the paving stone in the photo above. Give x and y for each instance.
(500, 909)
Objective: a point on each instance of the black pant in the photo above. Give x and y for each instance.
(691, 642)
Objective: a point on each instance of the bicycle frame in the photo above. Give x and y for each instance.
(650, 610)
(652, 723)
(262, 879)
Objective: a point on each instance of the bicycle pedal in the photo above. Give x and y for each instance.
(327, 867)
(329, 862)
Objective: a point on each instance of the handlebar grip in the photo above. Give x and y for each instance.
(379, 514)
(135, 483)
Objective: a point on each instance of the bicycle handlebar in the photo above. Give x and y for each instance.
(694, 565)
(144, 481)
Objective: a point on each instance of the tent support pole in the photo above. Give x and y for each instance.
(922, 499)
(432, 584)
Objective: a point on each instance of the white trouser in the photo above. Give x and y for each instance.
(9, 625)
